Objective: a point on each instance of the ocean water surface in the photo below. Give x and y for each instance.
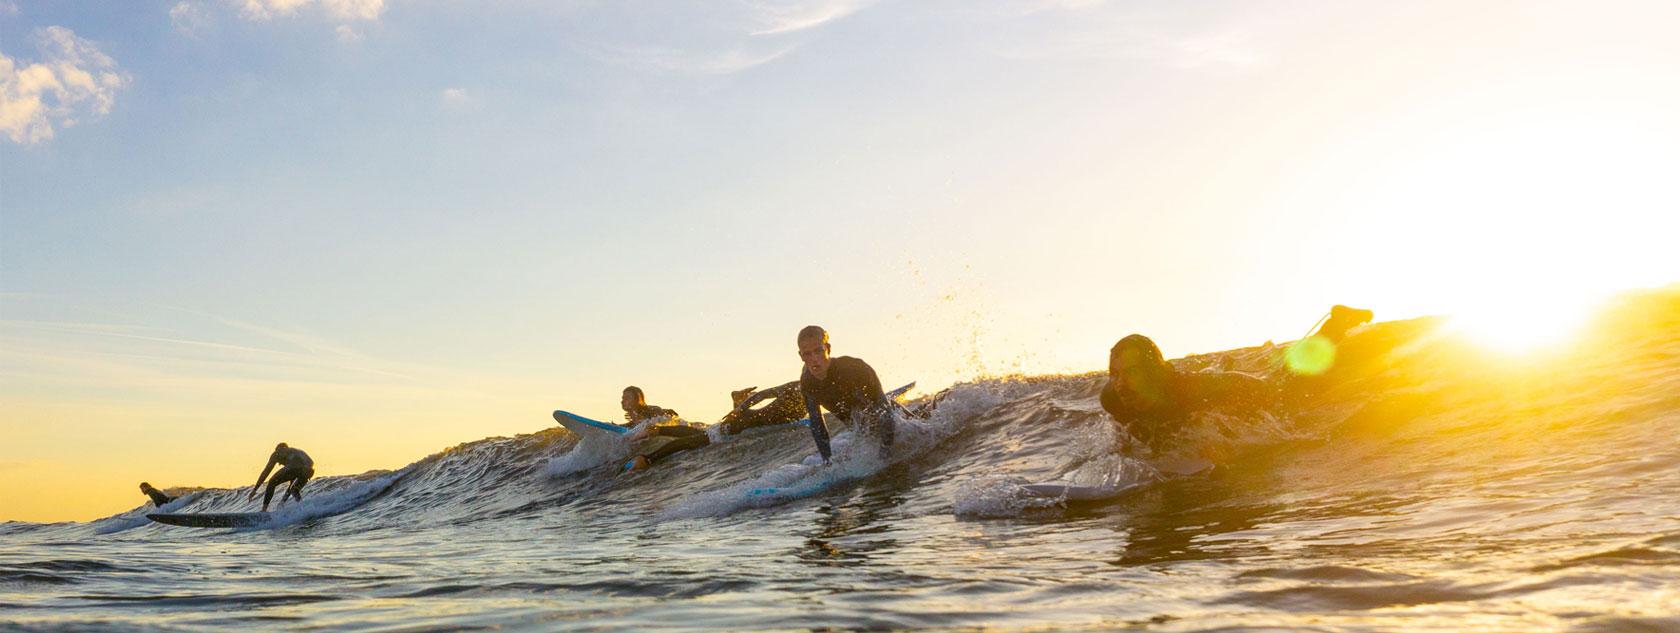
(1434, 486)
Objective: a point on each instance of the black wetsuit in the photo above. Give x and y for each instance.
(642, 413)
(158, 498)
(295, 466)
(687, 438)
(788, 406)
(850, 388)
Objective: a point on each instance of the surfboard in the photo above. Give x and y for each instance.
(581, 425)
(211, 520)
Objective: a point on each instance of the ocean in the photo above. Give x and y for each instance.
(1435, 485)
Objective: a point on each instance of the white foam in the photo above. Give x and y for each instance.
(330, 503)
(137, 517)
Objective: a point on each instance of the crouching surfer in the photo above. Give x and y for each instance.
(845, 386)
(295, 467)
(158, 498)
(1152, 399)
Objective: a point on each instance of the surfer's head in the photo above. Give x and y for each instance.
(281, 446)
(814, 349)
(145, 487)
(1136, 366)
(633, 399)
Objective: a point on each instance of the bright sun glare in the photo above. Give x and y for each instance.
(1523, 326)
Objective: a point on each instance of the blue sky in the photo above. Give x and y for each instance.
(390, 226)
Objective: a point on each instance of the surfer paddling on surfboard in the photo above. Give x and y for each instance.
(845, 386)
(1151, 398)
(295, 467)
(786, 406)
(637, 410)
(158, 498)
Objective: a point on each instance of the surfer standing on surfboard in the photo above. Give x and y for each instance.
(1152, 399)
(295, 467)
(846, 386)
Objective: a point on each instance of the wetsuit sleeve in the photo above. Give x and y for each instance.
(1231, 388)
(813, 410)
(677, 431)
(766, 394)
(1110, 399)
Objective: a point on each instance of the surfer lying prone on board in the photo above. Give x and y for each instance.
(1152, 399)
(158, 498)
(295, 467)
(786, 406)
(845, 386)
(637, 410)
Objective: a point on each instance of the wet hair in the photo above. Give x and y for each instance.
(813, 333)
(1140, 343)
(636, 392)
(281, 446)
(145, 485)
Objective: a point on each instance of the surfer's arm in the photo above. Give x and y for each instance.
(272, 460)
(819, 433)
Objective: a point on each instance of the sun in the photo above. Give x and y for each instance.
(1523, 325)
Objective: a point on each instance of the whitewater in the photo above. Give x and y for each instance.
(1444, 487)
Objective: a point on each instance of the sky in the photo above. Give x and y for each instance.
(375, 229)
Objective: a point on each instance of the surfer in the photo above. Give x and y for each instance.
(1152, 399)
(637, 410)
(295, 467)
(685, 438)
(786, 406)
(158, 498)
(845, 385)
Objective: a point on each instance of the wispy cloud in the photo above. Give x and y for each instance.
(722, 62)
(191, 17)
(73, 80)
(454, 97)
(1094, 29)
(787, 17)
(343, 10)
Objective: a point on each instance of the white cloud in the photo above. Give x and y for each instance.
(342, 10)
(787, 17)
(188, 17)
(454, 97)
(73, 80)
